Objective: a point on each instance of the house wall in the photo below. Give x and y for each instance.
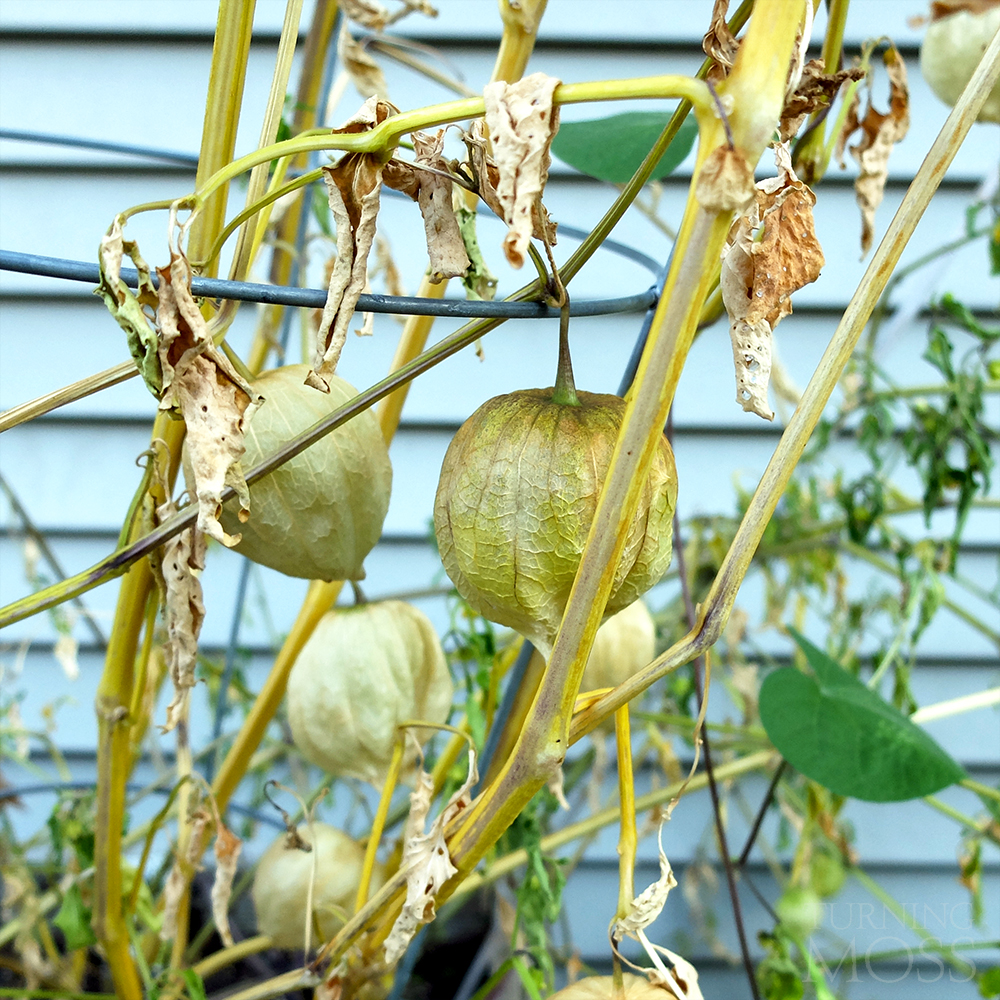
(138, 73)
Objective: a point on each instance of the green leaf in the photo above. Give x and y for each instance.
(611, 149)
(195, 987)
(73, 919)
(840, 734)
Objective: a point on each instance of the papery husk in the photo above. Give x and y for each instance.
(517, 495)
(320, 514)
(624, 644)
(364, 671)
(602, 988)
(281, 884)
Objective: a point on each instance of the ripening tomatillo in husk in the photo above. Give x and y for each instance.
(320, 514)
(517, 495)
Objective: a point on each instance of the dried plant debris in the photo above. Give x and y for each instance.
(181, 873)
(725, 181)
(426, 860)
(353, 185)
(648, 905)
(216, 403)
(135, 314)
(719, 43)
(376, 16)
(522, 120)
(182, 562)
(479, 280)
(227, 856)
(364, 71)
(433, 191)
(879, 133)
(816, 90)
(772, 251)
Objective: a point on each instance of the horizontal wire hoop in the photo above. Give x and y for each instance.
(314, 298)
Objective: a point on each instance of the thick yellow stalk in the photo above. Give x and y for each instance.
(628, 836)
(115, 691)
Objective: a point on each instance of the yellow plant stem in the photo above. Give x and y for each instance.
(518, 713)
(714, 610)
(115, 691)
(378, 825)
(628, 837)
(318, 41)
(229, 956)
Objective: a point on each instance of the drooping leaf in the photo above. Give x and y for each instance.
(837, 732)
(611, 149)
(73, 919)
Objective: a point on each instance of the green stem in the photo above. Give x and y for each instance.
(980, 789)
(984, 829)
(899, 912)
(565, 388)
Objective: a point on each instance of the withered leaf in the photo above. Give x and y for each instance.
(758, 277)
(879, 133)
(648, 905)
(182, 562)
(433, 192)
(719, 43)
(364, 71)
(227, 855)
(216, 403)
(181, 873)
(816, 90)
(353, 185)
(479, 281)
(367, 13)
(426, 860)
(725, 183)
(128, 309)
(522, 120)
(945, 8)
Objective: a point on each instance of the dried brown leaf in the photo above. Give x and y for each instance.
(758, 277)
(180, 875)
(426, 860)
(522, 120)
(367, 13)
(648, 905)
(879, 133)
(227, 855)
(354, 185)
(182, 562)
(364, 71)
(725, 183)
(216, 403)
(445, 246)
(681, 981)
(719, 43)
(816, 90)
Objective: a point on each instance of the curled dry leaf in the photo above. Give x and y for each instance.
(227, 855)
(879, 133)
(522, 120)
(367, 13)
(181, 873)
(648, 905)
(719, 43)
(433, 192)
(364, 71)
(479, 281)
(759, 275)
(129, 310)
(181, 565)
(426, 860)
(816, 90)
(353, 185)
(214, 400)
(725, 182)
(681, 980)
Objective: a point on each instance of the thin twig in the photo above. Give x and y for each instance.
(755, 829)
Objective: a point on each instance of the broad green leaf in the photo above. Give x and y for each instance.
(611, 149)
(73, 919)
(837, 732)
